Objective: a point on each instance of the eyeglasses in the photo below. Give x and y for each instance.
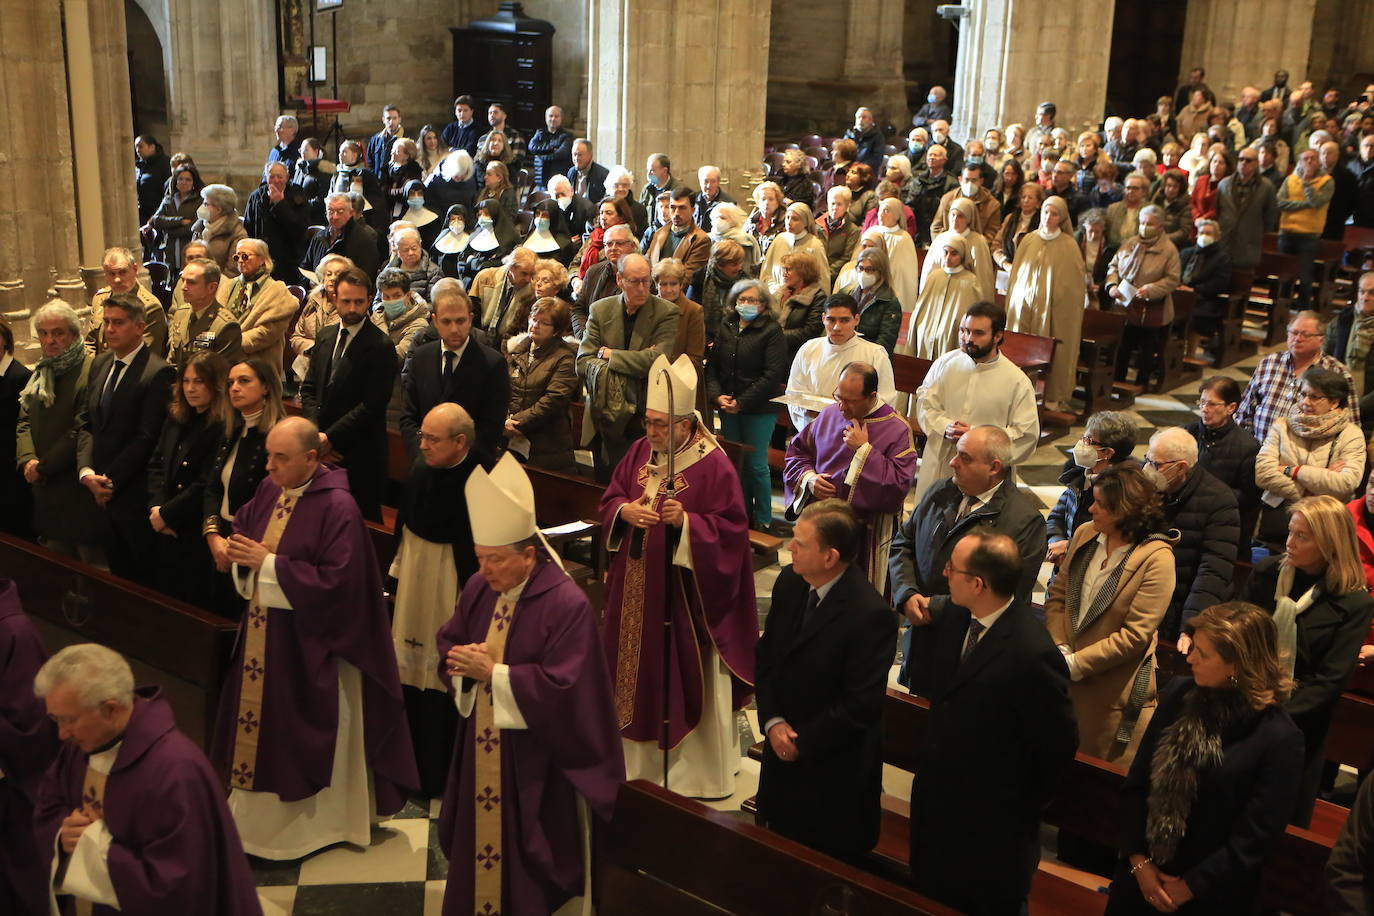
(627, 281)
(951, 568)
(1303, 335)
(752, 300)
(1160, 465)
(428, 439)
(1312, 396)
(1203, 405)
(244, 257)
(1088, 439)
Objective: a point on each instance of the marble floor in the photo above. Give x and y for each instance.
(402, 871)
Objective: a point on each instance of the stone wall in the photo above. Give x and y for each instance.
(1242, 42)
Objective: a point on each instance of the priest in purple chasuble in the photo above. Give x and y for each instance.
(859, 450)
(131, 817)
(28, 744)
(707, 591)
(537, 759)
(312, 728)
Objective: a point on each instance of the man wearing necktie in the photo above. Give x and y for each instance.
(117, 429)
(822, 666)
(1001, 732)
(346, 391)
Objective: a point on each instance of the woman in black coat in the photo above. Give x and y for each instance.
(16, 496)
(1202, 851)
(352, 174)
(240, 464)
(402, 169)
(1317, 593)
(177, 214)
(745, 373)
(199, 416)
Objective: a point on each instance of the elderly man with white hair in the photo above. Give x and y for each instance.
(278, 212)
(711, 194)
(287, 149)
(131, 817)
(261, 303)
(1204, 513)
(577, 210)
(121, 278)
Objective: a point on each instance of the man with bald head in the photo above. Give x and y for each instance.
(1205, 512)
(981, 496)
(434, 557)
(1345, 190)
(625, 333)
(1001, 736)
(311, 726)
(859, 450)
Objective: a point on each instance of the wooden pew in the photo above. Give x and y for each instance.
(1034, 354)
(1272, 295)
(181, 648)
(1330, 254)
(1102, 333)
(1229, 344)
(1177, 366)
(1087, 806)
(645, 869)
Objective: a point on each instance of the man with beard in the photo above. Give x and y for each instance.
(974, 386)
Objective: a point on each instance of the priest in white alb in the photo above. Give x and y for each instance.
(974, 385)
(816, 367)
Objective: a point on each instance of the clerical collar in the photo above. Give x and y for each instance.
(513, 594)
(297, 492)
(109, 745)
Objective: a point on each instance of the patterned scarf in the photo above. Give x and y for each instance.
(1357, 350)
(41, 389)
(1322, 426)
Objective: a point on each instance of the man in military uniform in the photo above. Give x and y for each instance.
(121, 277)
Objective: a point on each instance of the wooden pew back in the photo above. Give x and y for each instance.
(645, 869)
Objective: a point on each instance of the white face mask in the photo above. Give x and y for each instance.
(867, 280)
(1204, 240)
(203, 213)
(969, 188)
(1084, 455)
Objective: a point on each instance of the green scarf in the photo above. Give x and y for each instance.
(41, 389)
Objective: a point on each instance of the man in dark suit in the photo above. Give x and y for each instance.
(588, 178)
(982, 495)
(1001, 736)
(346, 390)
(578, 210)
(117, 429)
(821, 677)
(459, 368)
(600, 280)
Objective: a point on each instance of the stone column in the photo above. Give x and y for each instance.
(681, 77)
(222, 88)
(38, 229)
(1242, 42)
(873, 61)
(1015, 54)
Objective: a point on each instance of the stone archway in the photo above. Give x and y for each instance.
(148, 60)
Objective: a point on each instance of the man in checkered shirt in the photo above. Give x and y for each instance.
(1274, 388)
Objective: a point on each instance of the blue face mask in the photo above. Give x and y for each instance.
(747, 312)
(393, 308)
(916, 149)
(415, 203)
(974, 160)
(484, 222)
(931, 98)
(541, 225)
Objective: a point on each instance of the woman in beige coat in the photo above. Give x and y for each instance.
(1104, 608)
(543, 381)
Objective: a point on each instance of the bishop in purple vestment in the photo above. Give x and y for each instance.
(537, 759)
(155, 836)
(859, 450)
(318, 607)
(696, 566)
(28, 744)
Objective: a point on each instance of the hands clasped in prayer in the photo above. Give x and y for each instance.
(641, 516)
(73, 825)
(245, 551)
(471, 661)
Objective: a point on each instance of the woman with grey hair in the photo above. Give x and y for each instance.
(728, 222)
(748, 366)
(1205, 267)
(1142, 278)
(64, 512)
(1108, 439)
(620, 183)
(218, 225)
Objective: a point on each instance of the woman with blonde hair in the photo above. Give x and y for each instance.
(1216, 774)
(496, 186)
(403, 169)
(1105, 607)
(432, 151)
(497, 148)
(1317, 593)
(799, 300)
(962, 218)
(799, 236)
(318, 311)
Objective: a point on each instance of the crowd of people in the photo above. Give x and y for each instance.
(468, 286)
